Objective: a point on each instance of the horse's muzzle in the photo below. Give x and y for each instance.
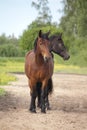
(46, 59)
(66, 57)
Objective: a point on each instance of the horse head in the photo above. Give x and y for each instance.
(41, 46)
(58, 47)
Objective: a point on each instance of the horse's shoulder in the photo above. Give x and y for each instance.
(28, 53)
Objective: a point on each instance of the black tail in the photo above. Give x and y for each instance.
(38, 87)
(50, 86)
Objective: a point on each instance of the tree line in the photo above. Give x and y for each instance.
(9, 46)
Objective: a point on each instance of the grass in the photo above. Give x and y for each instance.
(5, 78)
(69, 69)
(12, 64)
(8, 65)
(74, 65)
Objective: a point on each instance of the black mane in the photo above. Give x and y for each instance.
(55, 36)
(52, 37)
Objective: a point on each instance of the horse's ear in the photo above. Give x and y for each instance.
(40, 33)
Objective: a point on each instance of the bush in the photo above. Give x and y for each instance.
(10, 50)
(29, 35)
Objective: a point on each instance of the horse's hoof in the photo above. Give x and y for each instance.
(33, 110)
(43, 111)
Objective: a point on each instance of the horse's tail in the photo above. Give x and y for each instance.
(38, 88)
(50, 86)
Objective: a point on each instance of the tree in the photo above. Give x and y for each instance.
(44, 13)
(9, 46)
(74, 21)
(3, 39)
(29, 35)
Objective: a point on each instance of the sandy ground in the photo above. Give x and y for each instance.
(68, 103)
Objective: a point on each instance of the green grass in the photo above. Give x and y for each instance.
(5, 78)
(11, 64)
(69, 69)
(8, 65)
(74, 65)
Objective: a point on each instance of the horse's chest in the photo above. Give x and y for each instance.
(44, 72)
(41, 72)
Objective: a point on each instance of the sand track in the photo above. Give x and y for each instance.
(68, 103)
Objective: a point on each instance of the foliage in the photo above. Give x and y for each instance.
(29, 35)
(74, 26)
(44, 13)
(9, 50)
(9, 46)
(74, 21)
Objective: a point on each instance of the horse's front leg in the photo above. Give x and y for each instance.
(32, 104)
(33, 98)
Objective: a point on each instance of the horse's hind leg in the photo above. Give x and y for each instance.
(33, 98)
(47, 104)
(49, 90)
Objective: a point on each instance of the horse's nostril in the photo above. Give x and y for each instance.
(46, 59)
(68, 57)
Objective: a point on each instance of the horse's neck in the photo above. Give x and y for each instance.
(51, 46)
(39, 59)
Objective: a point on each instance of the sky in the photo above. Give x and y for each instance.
(16, 15)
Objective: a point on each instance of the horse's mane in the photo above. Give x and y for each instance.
(54, 36)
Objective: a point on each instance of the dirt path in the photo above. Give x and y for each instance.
(68, 103)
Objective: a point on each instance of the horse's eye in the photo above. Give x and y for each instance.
(59, 39)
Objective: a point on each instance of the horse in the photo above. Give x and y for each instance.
(57, 46)
(39, 68)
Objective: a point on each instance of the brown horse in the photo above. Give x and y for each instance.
(39, 68)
